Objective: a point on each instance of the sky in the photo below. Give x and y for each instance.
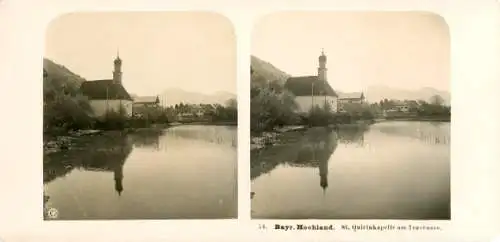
(408, 50)
(194, 51)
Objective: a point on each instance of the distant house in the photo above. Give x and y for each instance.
(109, 94)
(195, 113)
(146, 101)
(350, 98)
(400, 106)
(353, 97)
(403, 108)
(186, 117)
(141, 103)
(313, 91)
(198, 111)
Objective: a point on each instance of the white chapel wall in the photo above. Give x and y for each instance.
(304, 103)
(101, 106)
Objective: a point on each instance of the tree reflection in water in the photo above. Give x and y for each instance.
(148, 138)
(93, 163)
(353, 135)
(312, 148)
(433, 133)
(365, 158)
(223, 135)
(106, 153)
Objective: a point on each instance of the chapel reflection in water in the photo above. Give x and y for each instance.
(107, 153)
(316, 149)
(312, 148)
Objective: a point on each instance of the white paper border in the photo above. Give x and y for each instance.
(474, 29)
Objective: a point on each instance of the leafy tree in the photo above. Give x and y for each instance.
(114, 119)
(232, 103)
(257, 80)
(437, 100)
(270, 106)
(421, 102)
(227, 113)
(320, 116)
(64, 108)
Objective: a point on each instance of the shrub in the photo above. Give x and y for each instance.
(66, 112)
(113, 120)
(271, 106)
(430, 110)
(367, 115)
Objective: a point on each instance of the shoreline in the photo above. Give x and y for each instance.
(65, 141)
(423, 119)
(271, 138)
(208, 123)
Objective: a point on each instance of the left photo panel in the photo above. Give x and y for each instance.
(140, 116)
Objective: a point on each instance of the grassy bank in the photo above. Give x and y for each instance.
(281, 135)
(228, 123)
(276, 136)
(418, 118)
(435, 119)
(356, 124)
(71, 140)
(151, 127)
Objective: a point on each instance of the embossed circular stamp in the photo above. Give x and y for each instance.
(52, 213)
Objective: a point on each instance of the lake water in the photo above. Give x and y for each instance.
(185, 172)
(390, 170)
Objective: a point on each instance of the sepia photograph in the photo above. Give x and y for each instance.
(139, 116)
(350, 116)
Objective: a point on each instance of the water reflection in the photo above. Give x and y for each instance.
(147, 139)
(372, 172)
(194, 178)
(353, 135)
(434, 133)
(296, 146)
(152, 139)
(310, 149)
(106, 154)
(226, 135)
(315, 150)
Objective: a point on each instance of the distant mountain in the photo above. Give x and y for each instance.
(175, 96)
(377, 93)
(267, 71)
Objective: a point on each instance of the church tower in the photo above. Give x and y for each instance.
(322, 67)
(117, 73)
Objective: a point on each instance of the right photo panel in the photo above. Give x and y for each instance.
(350, 116)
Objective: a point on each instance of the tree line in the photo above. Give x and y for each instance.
(66, 109)
(272, 106)
(207, 112)
(434, 107)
